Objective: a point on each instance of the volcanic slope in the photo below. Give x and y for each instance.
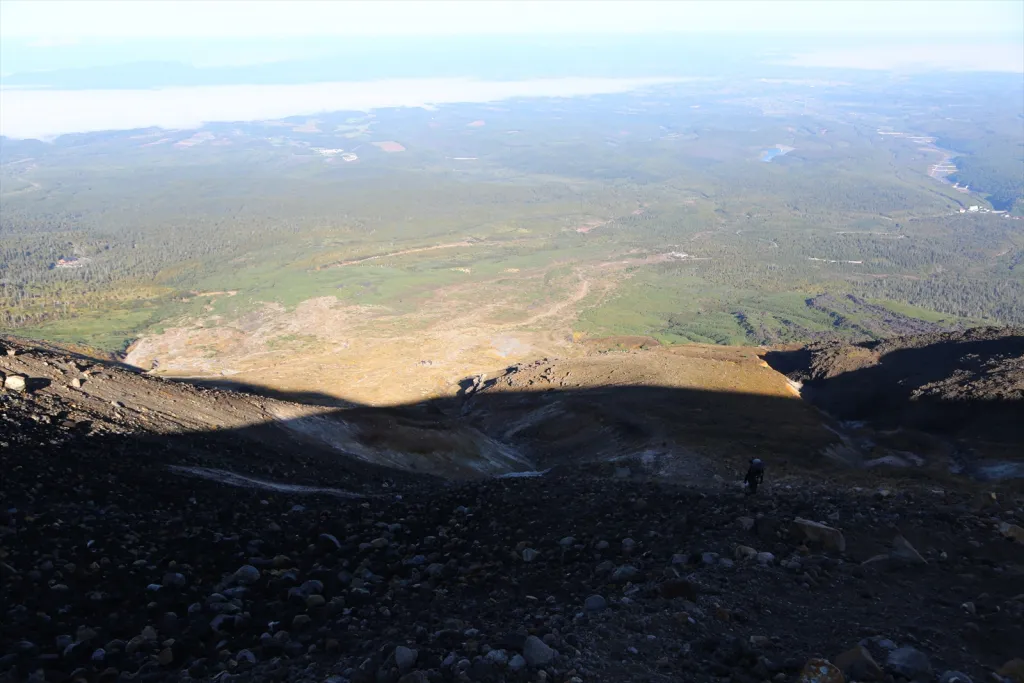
(158, 531)
(958, 392)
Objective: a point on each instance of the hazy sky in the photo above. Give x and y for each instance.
(57, 21)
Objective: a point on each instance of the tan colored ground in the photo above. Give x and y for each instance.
(683, 413)
(635, 361)
(376, 356)
(365, 354)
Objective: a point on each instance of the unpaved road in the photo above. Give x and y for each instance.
(450, 245)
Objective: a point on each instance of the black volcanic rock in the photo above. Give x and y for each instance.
(115, 567)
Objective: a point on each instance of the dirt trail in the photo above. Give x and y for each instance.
(403, 252)
(581, 292)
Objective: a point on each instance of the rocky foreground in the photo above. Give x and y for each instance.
(114, 567)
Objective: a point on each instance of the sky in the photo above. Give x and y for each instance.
(54, 22)
(76, 65)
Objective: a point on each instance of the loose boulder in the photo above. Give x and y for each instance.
(247, 575)
(909, 663)
(821, 671)
(517, 663)
(857, 664)
(405, 658)
(744, 552)
(1013, 670)
(14, 383)
(537, 653)
(814, 532)
(1012, 532)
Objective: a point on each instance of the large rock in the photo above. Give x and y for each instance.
(909, 663)
(1012, 532)
(405, 658)
(595, 603)
(537, 653)
(1014, 670)
(857, 664)
(902, 551)
(819, 534)
(744, 552)
(14, 383)
(517, 663)
(247, 575)
(821, 671)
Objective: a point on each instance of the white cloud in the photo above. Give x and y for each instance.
(47, 113)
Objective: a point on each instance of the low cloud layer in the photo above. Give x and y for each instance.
(42, 114)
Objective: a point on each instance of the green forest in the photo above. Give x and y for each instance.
(104, 237)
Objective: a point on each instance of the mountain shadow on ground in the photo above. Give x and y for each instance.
(109, 545)
(967, 385)
(268, 551)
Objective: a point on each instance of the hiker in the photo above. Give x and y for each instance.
(755, 475)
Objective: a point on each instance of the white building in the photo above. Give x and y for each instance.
(973, 208)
